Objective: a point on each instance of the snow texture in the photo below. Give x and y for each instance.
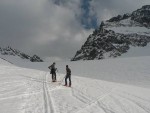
(122, 86)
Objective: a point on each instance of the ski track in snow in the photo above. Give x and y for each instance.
(30, 91)
(47, 99)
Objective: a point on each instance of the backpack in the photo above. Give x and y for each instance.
(68, 71)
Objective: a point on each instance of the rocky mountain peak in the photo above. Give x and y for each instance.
(142, 15)
(119, 18)
(9, 51)
(115, 36)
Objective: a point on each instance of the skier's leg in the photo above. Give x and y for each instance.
(52, 77)
(55, 76)
(69, 80)
(66, 80)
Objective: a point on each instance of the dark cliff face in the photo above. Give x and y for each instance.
(109, 44)
(142, 15)
(36, 58)
(106, 43)
(119, 17)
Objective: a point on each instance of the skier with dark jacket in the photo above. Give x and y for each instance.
(68, 76)
(53, 72)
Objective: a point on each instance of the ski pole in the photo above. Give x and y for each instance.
(58, 72)
(62, 80)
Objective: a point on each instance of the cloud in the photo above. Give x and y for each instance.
(42, 26)
(105, 9)
(55, 27)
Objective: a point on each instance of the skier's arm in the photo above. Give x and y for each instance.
(56, 69)
(49, 67)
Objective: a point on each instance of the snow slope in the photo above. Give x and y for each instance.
(137, 51)
(132, 70)
(25, 90)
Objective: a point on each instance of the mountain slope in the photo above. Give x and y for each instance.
(117, 35)
(10, 54)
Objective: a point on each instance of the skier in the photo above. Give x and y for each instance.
(53, 72)
(68, 76)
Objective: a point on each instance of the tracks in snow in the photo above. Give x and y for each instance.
(80, 96)
(89, 102)
(119, 99)
(49, 107)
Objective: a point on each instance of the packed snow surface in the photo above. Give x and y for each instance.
(115, 86)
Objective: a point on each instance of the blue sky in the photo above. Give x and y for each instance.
(85, 18)
(56, 28)
(85, 5)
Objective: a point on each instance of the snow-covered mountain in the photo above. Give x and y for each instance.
(8, 54)
(117, 35)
